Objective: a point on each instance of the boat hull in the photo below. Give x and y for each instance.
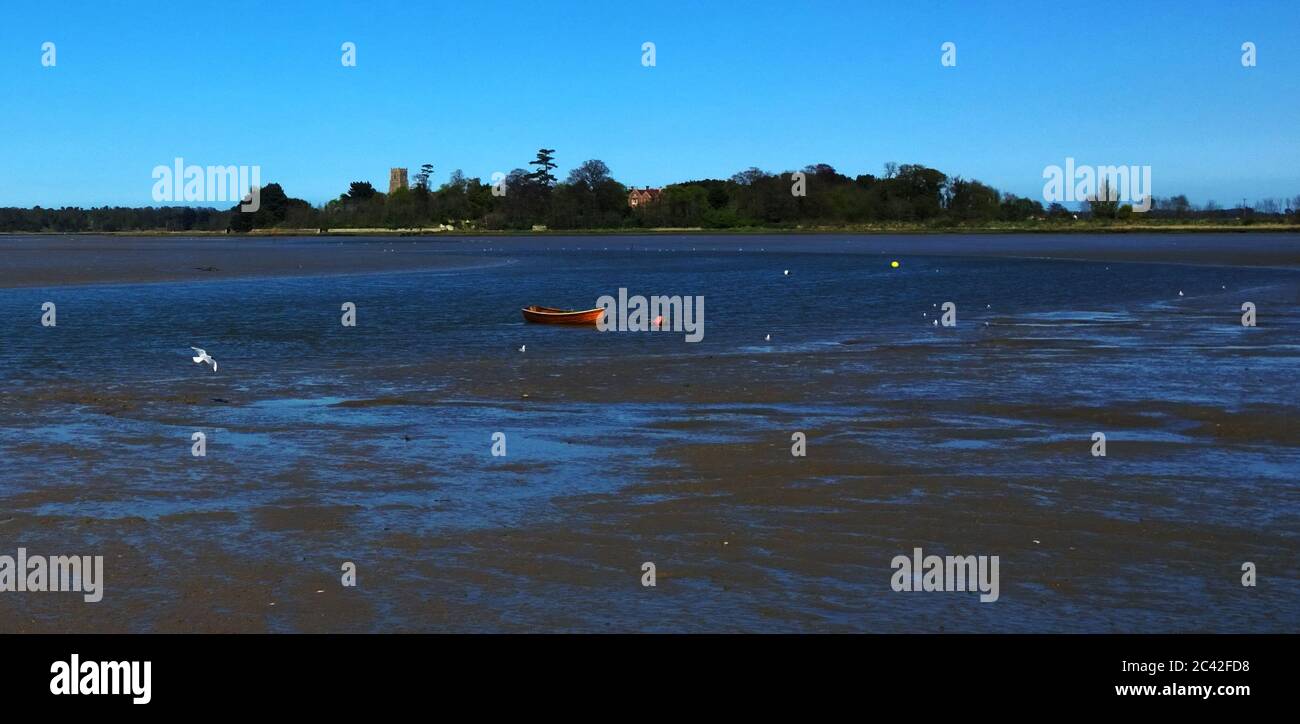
(549, 315)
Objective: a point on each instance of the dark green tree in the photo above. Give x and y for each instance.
(970, 200)
(545, 163)
(422, 178)
(1018, 208)
(589, 175)
(359, 191)
(1105, 203)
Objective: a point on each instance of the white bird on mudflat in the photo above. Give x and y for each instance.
(204, 357)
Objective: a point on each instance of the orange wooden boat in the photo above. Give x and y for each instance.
(550, 315)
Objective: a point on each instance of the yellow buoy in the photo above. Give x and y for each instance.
(894, 264)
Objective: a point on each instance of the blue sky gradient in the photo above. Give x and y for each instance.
(481, 85)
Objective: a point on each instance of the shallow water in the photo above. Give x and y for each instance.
(328, 443)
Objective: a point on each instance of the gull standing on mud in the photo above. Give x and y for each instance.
(203, 357)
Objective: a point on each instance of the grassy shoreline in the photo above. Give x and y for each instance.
(871, 229)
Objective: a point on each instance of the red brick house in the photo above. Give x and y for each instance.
(637, 197)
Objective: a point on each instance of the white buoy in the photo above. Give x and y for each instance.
(523, 347)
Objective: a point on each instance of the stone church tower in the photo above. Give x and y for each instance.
(396, 179)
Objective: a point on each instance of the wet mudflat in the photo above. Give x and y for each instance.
(372, 443)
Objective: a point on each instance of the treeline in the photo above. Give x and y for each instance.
(112, 219)
(590, 198)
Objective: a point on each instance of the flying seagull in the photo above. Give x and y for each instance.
(203, 357)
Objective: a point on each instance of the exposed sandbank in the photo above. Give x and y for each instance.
(33, 261)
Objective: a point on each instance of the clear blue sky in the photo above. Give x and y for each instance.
(774, 83)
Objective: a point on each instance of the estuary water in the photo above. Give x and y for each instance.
(374, 444)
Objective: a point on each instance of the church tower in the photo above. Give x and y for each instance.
(396, 179)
